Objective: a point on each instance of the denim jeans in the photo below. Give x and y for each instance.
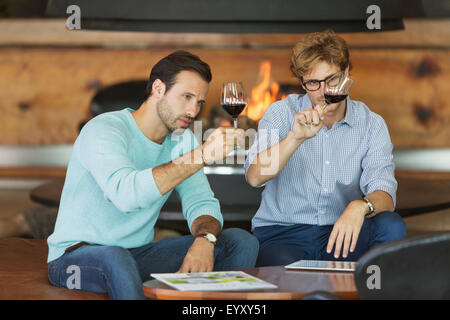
(120, 272)
(282, 245)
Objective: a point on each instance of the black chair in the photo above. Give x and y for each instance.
(129, 94)
(116, 97)
(413, 268)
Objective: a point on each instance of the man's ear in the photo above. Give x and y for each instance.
(347, 70)
(158, 88)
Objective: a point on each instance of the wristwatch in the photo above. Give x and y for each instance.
(208, 236)
(371, 207)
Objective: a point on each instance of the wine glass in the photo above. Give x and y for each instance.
(233, 99)
(337, 93)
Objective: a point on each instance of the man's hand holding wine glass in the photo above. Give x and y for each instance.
(221, 142)
(307, 123)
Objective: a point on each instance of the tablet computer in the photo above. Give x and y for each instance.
(323, 265)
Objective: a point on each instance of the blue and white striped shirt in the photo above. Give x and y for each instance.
(327, 172)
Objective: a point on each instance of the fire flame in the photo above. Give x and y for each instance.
(263, 95)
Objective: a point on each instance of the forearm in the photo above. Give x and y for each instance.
(205, 224)
(269, 163)
(381, 201)
(171, 174)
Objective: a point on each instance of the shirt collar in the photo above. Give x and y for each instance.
(349, 117)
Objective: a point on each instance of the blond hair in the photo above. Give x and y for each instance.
(316, 47)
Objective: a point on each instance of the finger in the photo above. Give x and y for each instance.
(239, 134)
(182, 269)
(232, 141)
(354, 240)
(301, 118)
(338, 244)
(203, 268)
(315, 117)
(195, 268)
(241, 140)
(229, 132)
(319, 109)
(347, 239)
(308, 116)
(331, 240)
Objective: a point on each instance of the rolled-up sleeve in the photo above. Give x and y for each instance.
(378, 168)
(197, 199)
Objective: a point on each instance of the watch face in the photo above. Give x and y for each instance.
(211, 238)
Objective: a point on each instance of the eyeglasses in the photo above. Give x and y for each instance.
(330, 81)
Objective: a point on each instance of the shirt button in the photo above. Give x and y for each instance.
(327, 162)
(325, 189)
(321, 211)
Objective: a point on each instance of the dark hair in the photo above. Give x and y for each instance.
(167, 69)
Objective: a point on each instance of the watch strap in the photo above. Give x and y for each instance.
(205, 235)
(371, 207)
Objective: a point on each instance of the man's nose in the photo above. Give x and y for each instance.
(322, 88)
(191, 109)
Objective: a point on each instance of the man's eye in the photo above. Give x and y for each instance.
(312, 82)
(334, 79)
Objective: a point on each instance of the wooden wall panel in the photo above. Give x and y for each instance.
(408, 88)
(45, 93)
(48, 75)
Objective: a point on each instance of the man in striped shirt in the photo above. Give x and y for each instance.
(330, 189)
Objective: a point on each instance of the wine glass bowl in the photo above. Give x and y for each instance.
(339, 92)
(233, 99)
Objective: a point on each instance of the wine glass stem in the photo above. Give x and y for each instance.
(235, 125)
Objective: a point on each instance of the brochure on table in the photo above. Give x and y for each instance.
(212, 281)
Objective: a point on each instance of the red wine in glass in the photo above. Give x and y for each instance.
(334, 98)
(234, 110)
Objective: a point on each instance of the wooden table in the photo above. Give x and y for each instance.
(291, 285)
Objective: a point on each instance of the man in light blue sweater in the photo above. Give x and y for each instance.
(123, 168)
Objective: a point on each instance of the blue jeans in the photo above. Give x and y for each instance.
(120, 272)
(282, 245)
